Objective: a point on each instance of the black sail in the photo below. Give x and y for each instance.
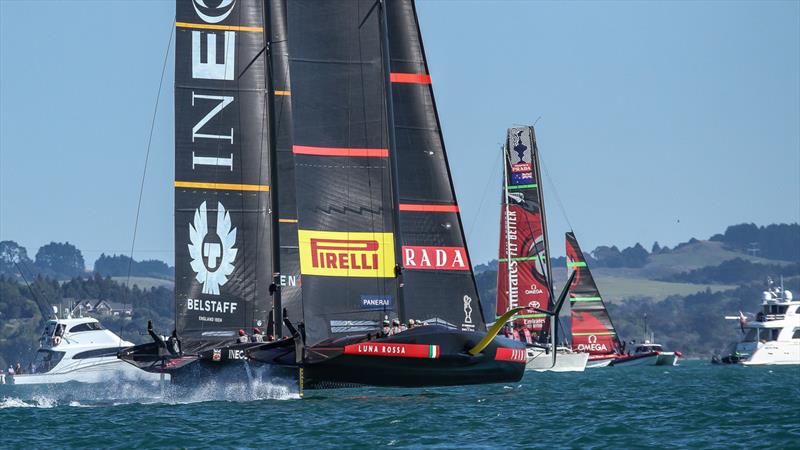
(281, 128)
(438, 283)
(342, 169)
(223, 232)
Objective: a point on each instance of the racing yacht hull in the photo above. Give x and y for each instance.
(424, 356)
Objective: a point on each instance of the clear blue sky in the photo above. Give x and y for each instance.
(659, 121)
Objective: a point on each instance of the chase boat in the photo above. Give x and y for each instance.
(79, 350)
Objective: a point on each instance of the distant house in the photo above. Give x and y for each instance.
(109, 308)
(81, 306)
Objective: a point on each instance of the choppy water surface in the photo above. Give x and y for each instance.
(692, 405)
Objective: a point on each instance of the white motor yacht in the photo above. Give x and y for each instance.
(80, 350)
(774, 337)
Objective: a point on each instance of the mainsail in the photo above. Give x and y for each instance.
(223, 231)
(342, 167)
(523, 276)
(438, 283)
(592, 330)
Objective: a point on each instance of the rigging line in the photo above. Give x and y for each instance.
(35, 297)
(483, 196)
(144, 170)
(555, 192)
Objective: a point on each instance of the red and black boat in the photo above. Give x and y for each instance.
(334, 205)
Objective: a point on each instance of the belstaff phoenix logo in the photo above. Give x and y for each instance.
(212, 253)
(220, 12)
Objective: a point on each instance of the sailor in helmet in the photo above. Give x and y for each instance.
(243, 339)
(395, 326)
(386, 330)
(257, 335)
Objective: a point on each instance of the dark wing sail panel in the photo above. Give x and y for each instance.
(342, 169)
(281, 95)
(222, 173)
(522, 276)
(592, 330)
(437, 275)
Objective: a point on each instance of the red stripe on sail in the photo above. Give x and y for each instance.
(413, 78)
(428, 208)
(333, 151)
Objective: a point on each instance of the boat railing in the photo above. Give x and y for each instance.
(769, 317)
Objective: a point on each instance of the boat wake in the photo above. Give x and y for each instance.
(35, 402)
(257, 386)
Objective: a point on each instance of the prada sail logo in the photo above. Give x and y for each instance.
(346, 254)
(213, 252)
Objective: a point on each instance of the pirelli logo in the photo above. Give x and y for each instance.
(346, 254)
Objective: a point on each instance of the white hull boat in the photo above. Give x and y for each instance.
(79, 350)
(774, 337)
(566, 361)
(600, 362)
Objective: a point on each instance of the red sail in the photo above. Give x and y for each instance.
(592, 330)
(523, 250)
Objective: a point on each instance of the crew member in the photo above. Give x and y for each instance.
(395, 326)
(386, 330)
(174, 344)
(411, 323)
(257, 336)
(243, 339)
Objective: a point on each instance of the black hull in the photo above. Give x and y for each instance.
(420, 357)
(424, 356)
(227, 362)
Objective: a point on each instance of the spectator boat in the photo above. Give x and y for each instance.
(773, 338)
(78, 350)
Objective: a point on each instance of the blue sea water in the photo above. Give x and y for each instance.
(693, 405)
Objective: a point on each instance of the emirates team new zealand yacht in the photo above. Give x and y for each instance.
(524, 276)
(593, 332)
(774, 337)
(79, 350)
(319, 208)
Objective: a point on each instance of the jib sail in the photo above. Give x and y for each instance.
(438, 283)
(523, 276)
(223, 232)
(346, 232)
(592, 330)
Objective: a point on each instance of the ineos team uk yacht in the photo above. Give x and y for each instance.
(80, 350)
(774, 337)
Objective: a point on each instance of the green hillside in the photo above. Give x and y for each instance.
(145, 282)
